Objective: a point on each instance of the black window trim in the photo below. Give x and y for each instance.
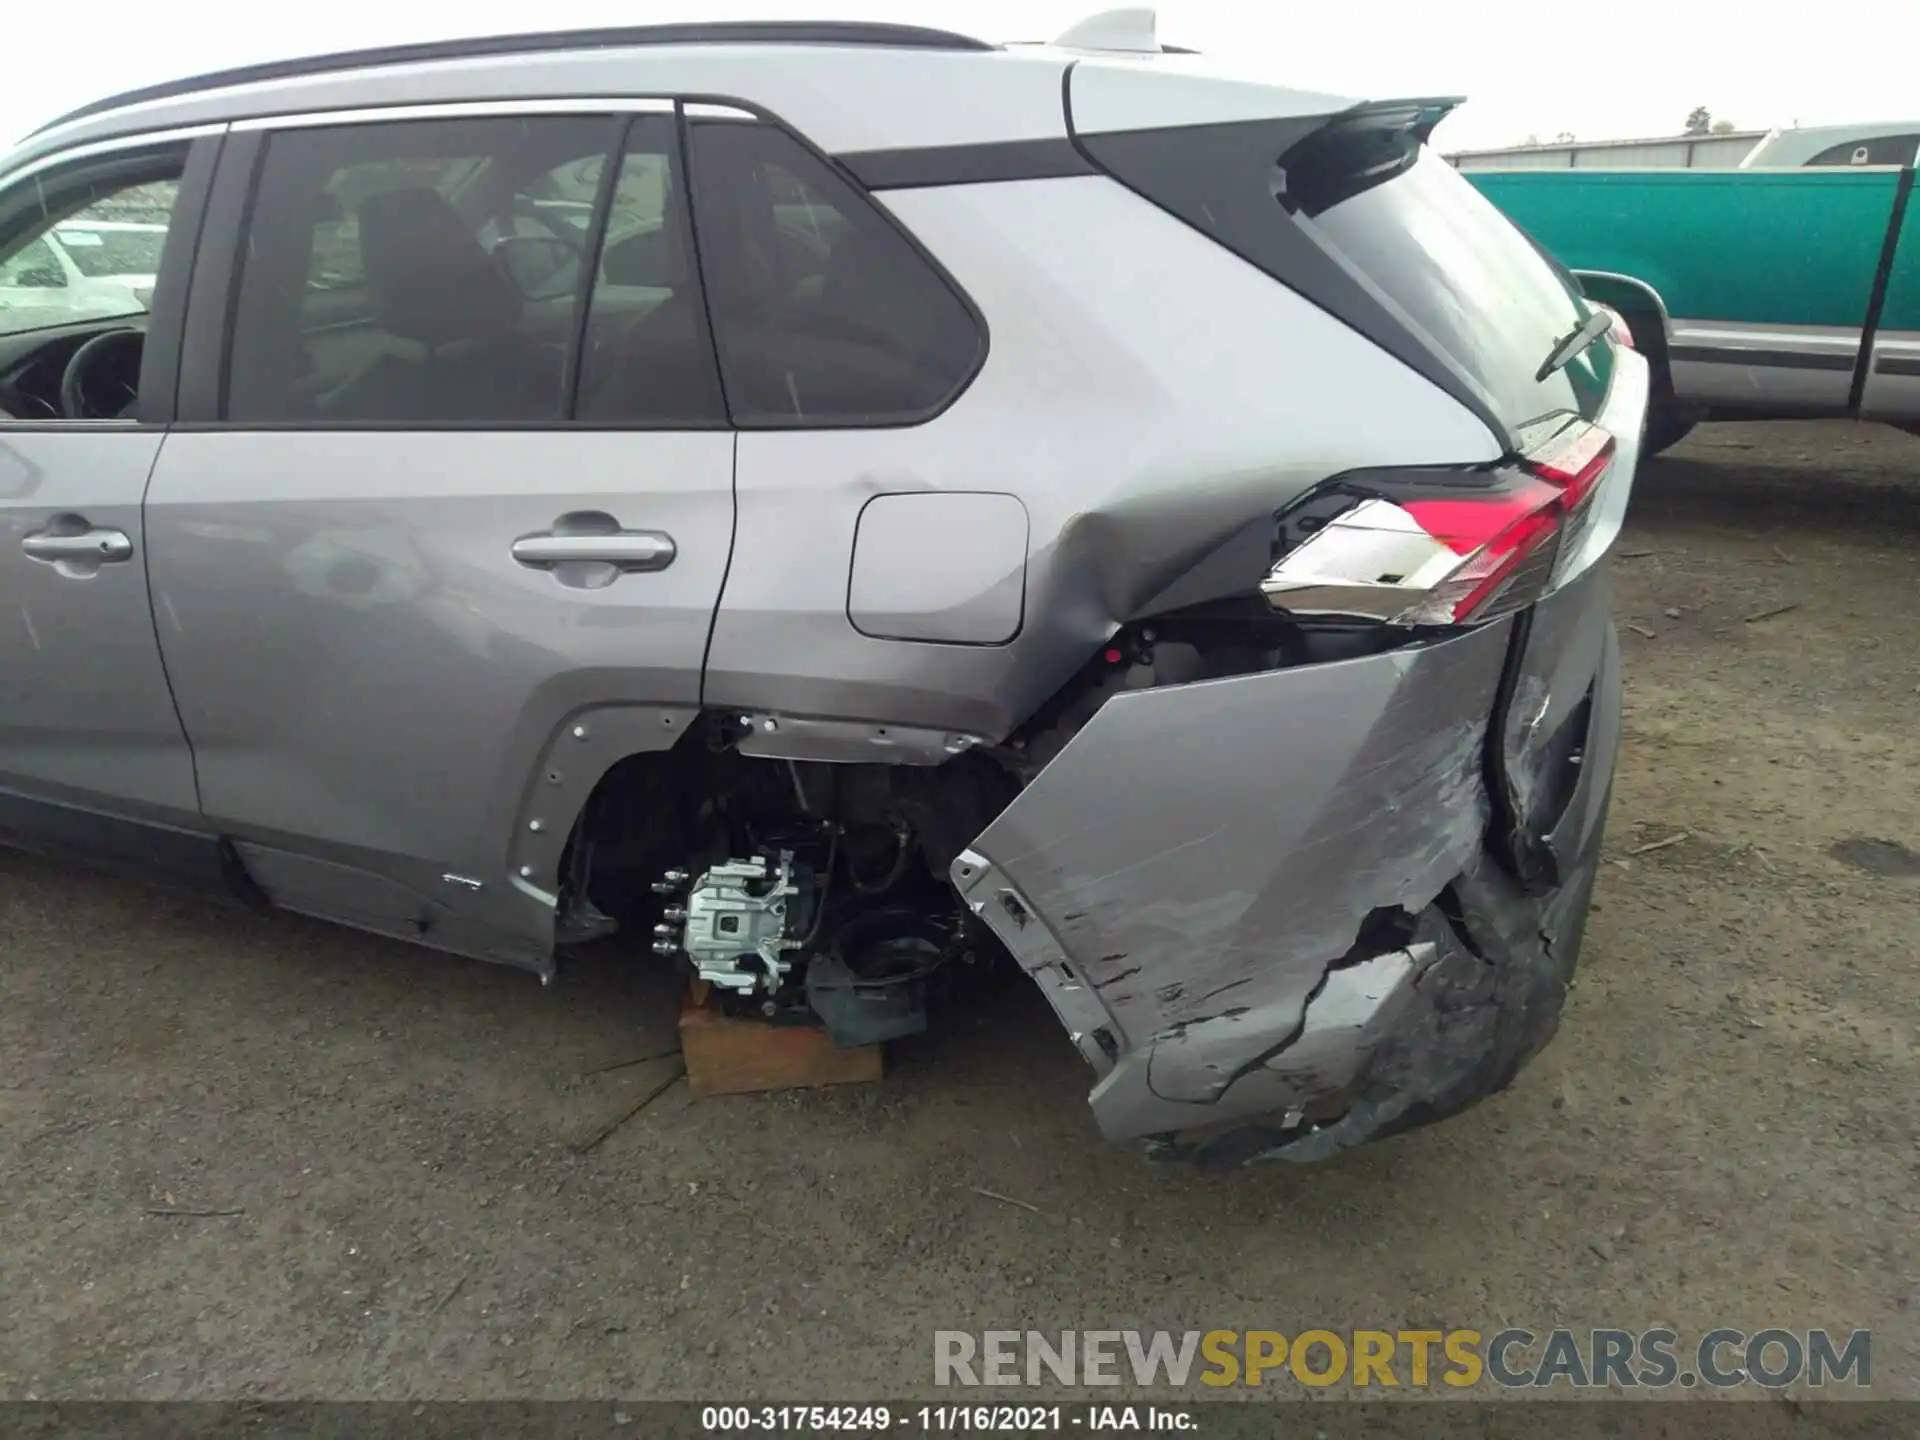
(165, 319)
(992, 162)
(216, 288)
(592, 255)
(214, 294)
(159, 397)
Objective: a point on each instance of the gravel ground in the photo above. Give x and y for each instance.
(406, 1178)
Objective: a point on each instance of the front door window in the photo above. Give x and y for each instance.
(95, 261)
(80, 252)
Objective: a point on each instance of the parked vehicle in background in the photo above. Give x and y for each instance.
(1866, 143)
(1756, 293)
(81, 269)
(844, 505)
(1886, 142)
(1723, 151)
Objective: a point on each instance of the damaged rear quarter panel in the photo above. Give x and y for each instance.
(1190, 868)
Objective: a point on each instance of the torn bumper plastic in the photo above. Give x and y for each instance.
(1286, 913)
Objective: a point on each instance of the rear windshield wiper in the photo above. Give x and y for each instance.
(1572, 343)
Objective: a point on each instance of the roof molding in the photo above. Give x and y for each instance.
(778, 32)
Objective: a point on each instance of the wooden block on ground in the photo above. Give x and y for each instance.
(728, 1056)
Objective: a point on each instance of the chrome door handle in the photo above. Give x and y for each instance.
(589, 550)
(628, 549)
(72, 547)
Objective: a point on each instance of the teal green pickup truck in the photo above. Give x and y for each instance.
(1756, 293)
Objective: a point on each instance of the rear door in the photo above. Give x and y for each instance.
(446, 495)
(92, 758)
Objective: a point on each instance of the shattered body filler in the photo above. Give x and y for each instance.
(1288, 898)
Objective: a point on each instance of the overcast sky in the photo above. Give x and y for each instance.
(1522, 63)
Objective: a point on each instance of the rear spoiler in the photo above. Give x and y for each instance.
(1357, 149)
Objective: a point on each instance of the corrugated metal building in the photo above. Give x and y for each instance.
(1696, 152)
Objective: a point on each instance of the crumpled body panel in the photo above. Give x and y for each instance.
(1256, 897)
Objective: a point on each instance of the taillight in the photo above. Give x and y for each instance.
(1447, 548)
(1618, 330)
(1573, 460)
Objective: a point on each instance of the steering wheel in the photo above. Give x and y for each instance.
(75, 403)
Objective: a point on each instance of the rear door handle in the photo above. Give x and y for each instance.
(76, 548)
(589, 550)
(629, 549)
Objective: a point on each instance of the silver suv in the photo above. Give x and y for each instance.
(837, 504)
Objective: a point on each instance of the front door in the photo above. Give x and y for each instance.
(466, 490)
(92, 757)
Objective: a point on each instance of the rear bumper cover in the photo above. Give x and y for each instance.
(1287, 913)
(1278, 914)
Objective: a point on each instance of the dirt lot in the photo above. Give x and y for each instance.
(1724, 1132)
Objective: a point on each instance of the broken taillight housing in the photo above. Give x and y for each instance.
(1446, 547)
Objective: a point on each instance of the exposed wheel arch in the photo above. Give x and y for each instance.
(1668, 420)
(1627, 295)
(555, 798)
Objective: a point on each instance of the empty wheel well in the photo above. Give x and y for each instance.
(703, 801)
(1640, 306)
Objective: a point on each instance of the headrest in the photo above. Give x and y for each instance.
(427, 274)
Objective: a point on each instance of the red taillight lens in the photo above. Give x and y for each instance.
(1498, 540)
(1575, 459)
(1618, 331)
(1448, 554)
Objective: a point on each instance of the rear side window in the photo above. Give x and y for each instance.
(823, 312)
(417, 272)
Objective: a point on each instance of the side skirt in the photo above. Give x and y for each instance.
(1797, 369)
(147, 850)
(201, 862)
(1892, 390)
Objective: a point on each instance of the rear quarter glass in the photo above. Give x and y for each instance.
(1474, 284)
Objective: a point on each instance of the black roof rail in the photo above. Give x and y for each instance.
(737, 32)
